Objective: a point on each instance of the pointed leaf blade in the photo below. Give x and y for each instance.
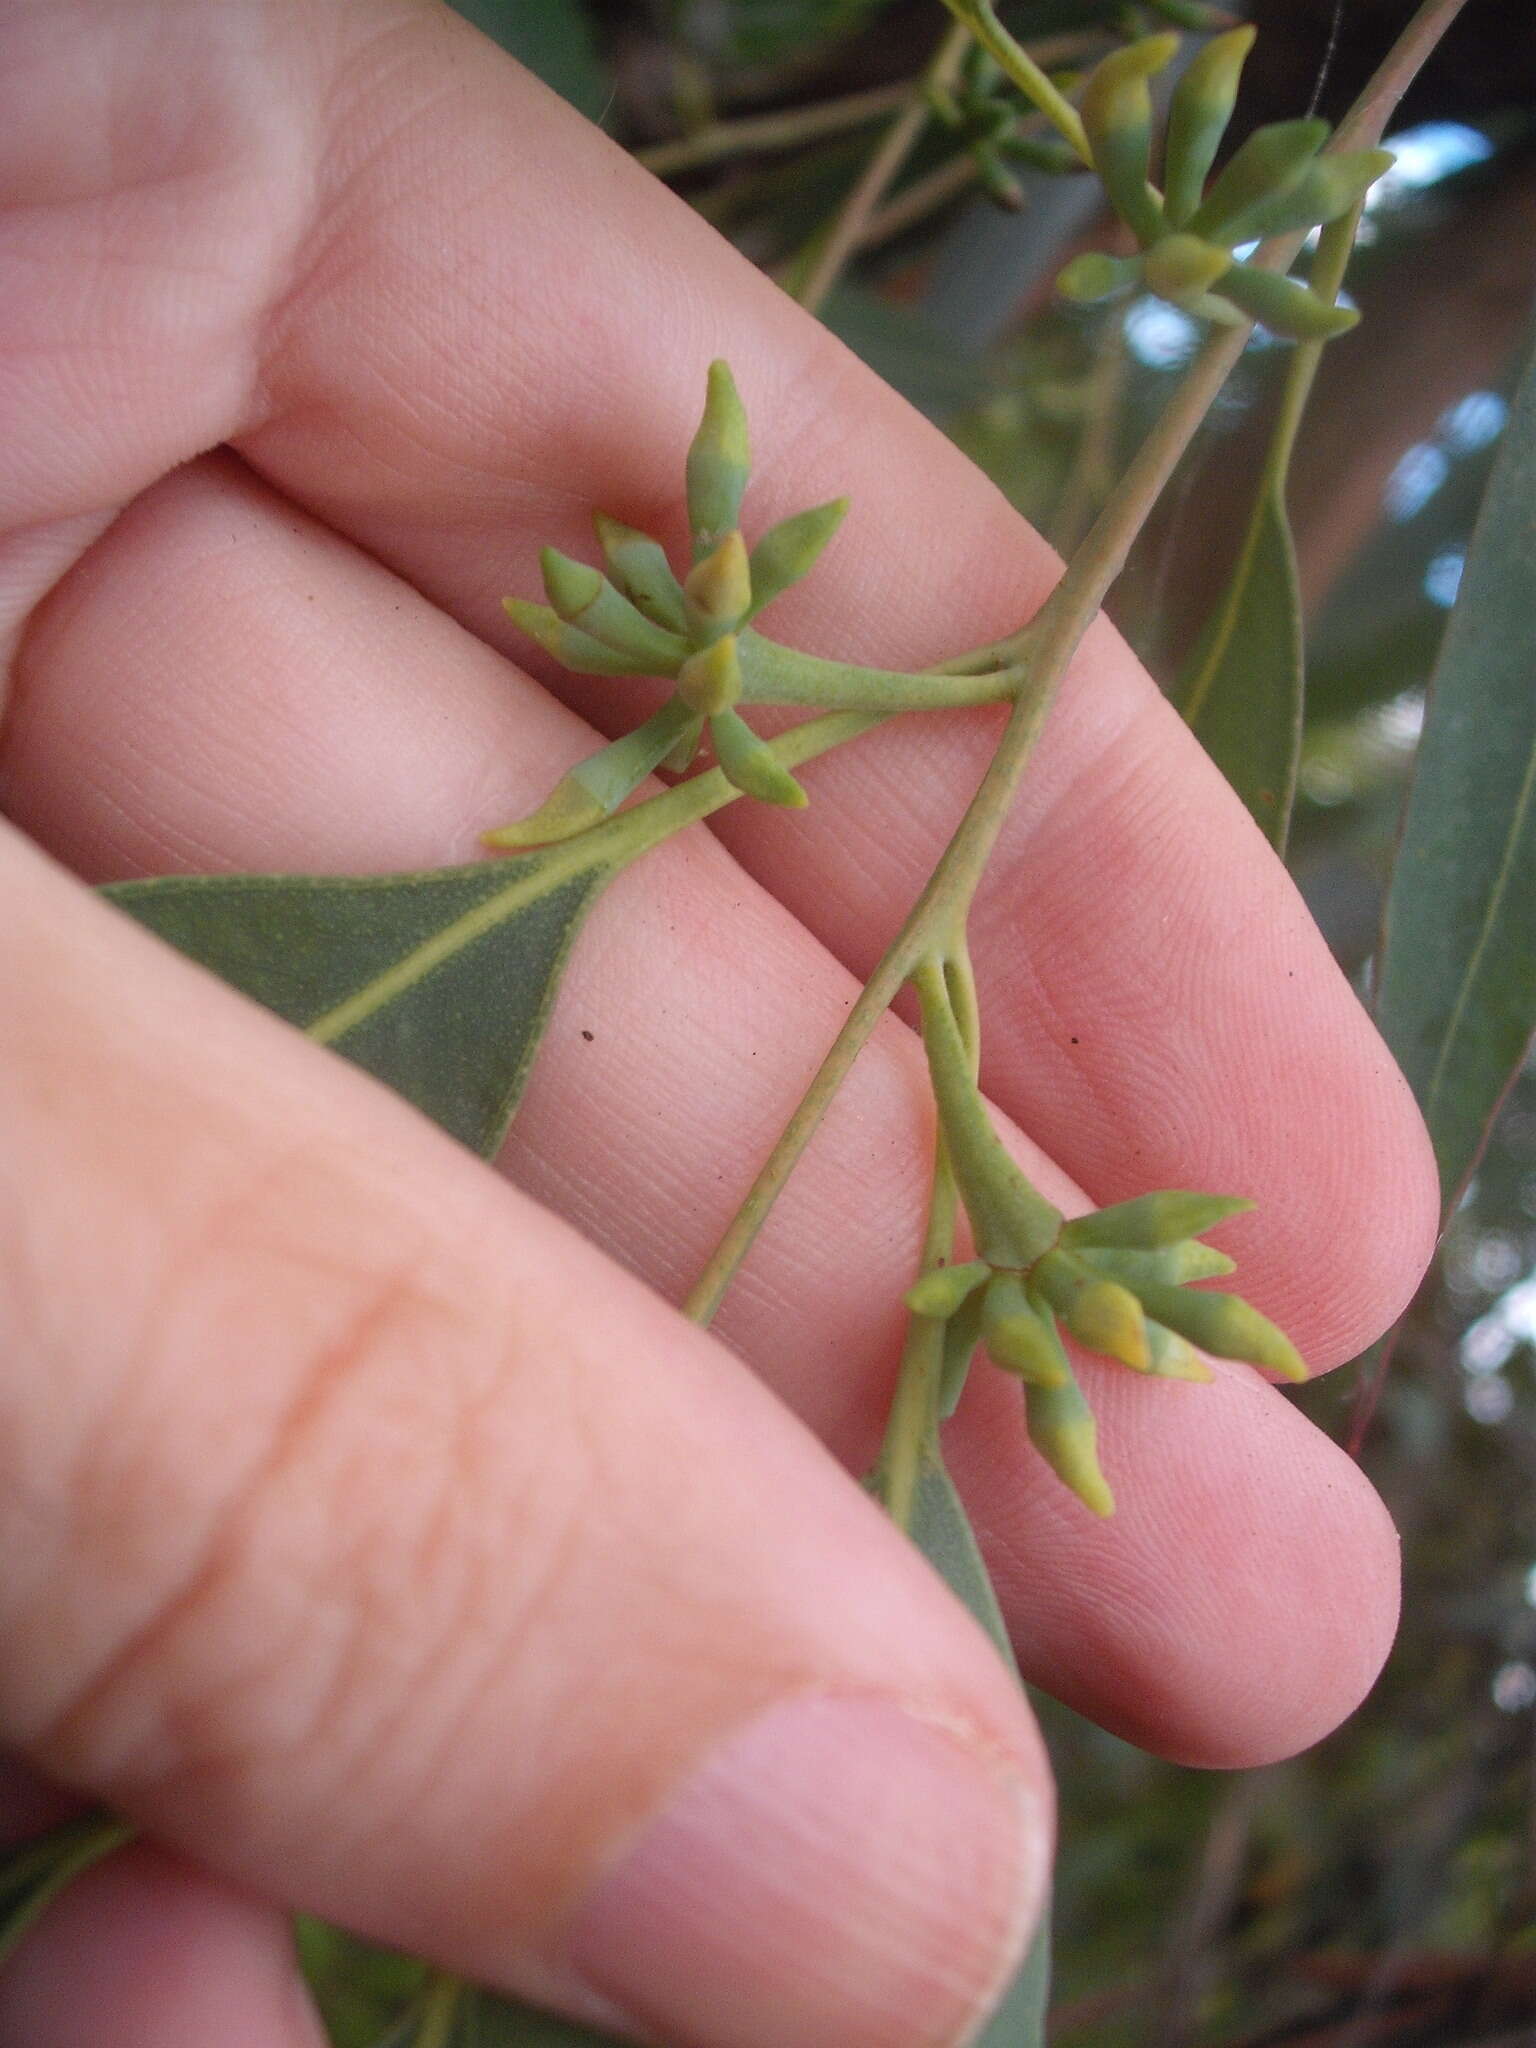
(942, 1531)
(462, 965)
(1241, 692)
(1457, 970)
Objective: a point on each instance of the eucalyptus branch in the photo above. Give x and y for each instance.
(847, 230)
(764, 132)
(1042, 650)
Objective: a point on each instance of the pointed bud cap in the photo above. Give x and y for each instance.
(1063, 1431)
(1269, 162)
(710, 681)
(751, 766)
(718, 589)
(1018, 1339)
(639, 566)
(1172, 1265)
(1286, 307)
(1094, 276)
(1327, 188)
(1180, 268)
(1173, 1359)
(570, 586)
(787, 551)
(574, 649)
(1198, 116)
(1116, 107)
(1101, 1314)
(1156, 1219)
(1226, 1325)
(941, 1292)
(568, 809)
(718, 463)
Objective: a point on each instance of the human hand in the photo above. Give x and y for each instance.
(381, 1545)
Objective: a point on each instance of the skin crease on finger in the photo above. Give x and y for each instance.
(1245, 1593)
(435, 480)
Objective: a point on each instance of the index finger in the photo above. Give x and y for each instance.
(484, 319)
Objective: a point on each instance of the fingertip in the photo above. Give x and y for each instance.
(147, 1952)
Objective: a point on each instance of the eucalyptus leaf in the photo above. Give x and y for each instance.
(439, 984)
(554, 38)
(1242, 691)
(941, 1529)
(1457, 969)
(34, 1874)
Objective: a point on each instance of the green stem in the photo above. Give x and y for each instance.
(847, 230)
(439, 2010)
(980, 19)
(775, 674)
(1044, 648)
(611, 846)
(1013, 1223)
(762, 132)
(57, 1859)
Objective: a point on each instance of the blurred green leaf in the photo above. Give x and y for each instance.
(905, 349)
(1242, 689)
(453, 972)
(942, 1531)
(554, 38)
(755, 33)
(1457, 969)
(33, 1875)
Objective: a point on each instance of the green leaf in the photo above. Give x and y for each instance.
(554, 39)
(1457, 970)
(942, 1531)
(33, 1875)
(1242, 691)
(439, 984)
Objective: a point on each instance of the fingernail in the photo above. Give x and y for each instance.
(839, 1871)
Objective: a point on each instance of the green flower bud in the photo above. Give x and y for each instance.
(710, 681)
(1063, 1431)
(1172, 1266)
(1198, 115)
(1173, 1359)
(1182, 268)
(1020, 1340)
(571, 647)
(718, 589)
(1227, 1325)
(1152, 1220)
(639, 566)
(750, 766)
(962, 1333)
(595, 788)
(1101, 1314)
(1327, 188)
(941, 1292)
(789, 550)
(1095, 276)
(1285, 306)
(679, 757)
(999, 184)
(1041, 153)
(718, 463)
(1269, 162)
(589, 601)
(1116, 108)
(569, 808)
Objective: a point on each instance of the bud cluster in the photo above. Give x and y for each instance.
(641, 619)
(983, 113)
(1118, 1281)
(1278, 182)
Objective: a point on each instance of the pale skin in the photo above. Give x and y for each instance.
(381, 1544)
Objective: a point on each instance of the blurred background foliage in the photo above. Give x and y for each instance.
(1382, 1888)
